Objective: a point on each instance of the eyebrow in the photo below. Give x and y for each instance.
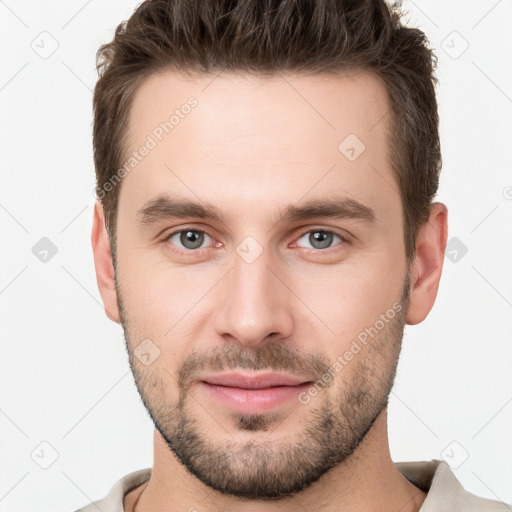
(163, 208)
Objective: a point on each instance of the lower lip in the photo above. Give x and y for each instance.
(254, 401)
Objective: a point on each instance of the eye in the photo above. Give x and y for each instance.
(320, 239)
(190, 239)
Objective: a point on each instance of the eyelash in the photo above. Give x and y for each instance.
(192, 252)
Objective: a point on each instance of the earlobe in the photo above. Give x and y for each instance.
(103, 264)
(427, 266)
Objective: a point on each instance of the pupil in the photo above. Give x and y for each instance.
(320, 239)
(192, 239)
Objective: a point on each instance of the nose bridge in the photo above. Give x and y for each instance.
(251, 280)
(255, 303)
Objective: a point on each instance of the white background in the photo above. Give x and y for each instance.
(65, 378)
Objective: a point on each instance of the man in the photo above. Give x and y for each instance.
(265, 228)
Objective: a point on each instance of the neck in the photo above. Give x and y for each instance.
(366, 481)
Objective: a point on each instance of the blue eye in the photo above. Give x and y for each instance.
(320, 239)
(189, 239)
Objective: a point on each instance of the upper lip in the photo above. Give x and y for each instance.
(257, 381)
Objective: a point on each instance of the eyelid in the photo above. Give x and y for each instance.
(345, 239)
(168, 236)
(325, 230)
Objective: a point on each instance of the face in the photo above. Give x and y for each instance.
(261, 274)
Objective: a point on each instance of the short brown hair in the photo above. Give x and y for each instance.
(267, 37)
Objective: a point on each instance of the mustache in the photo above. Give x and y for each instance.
(271, 357)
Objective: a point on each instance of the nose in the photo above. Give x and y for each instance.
(255, 304)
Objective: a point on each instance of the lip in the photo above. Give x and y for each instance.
(253, 394)
(257, 381)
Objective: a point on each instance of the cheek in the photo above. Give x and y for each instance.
(152, 288)
(157, 383)
(350, 297)
(165, 303)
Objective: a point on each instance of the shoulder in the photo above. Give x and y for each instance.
(444, 492)
(113, 501)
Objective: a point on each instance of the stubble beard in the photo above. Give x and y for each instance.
(263, 468)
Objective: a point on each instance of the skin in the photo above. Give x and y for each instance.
(250, 148)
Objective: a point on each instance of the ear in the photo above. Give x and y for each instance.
(427, 265)
(103, 264)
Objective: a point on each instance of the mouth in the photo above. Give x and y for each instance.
(253, 394)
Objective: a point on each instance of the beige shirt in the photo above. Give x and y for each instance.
(444, 492)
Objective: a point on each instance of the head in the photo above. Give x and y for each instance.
(265, 181)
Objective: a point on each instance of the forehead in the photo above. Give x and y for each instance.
(279, 136)
(353, 102)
